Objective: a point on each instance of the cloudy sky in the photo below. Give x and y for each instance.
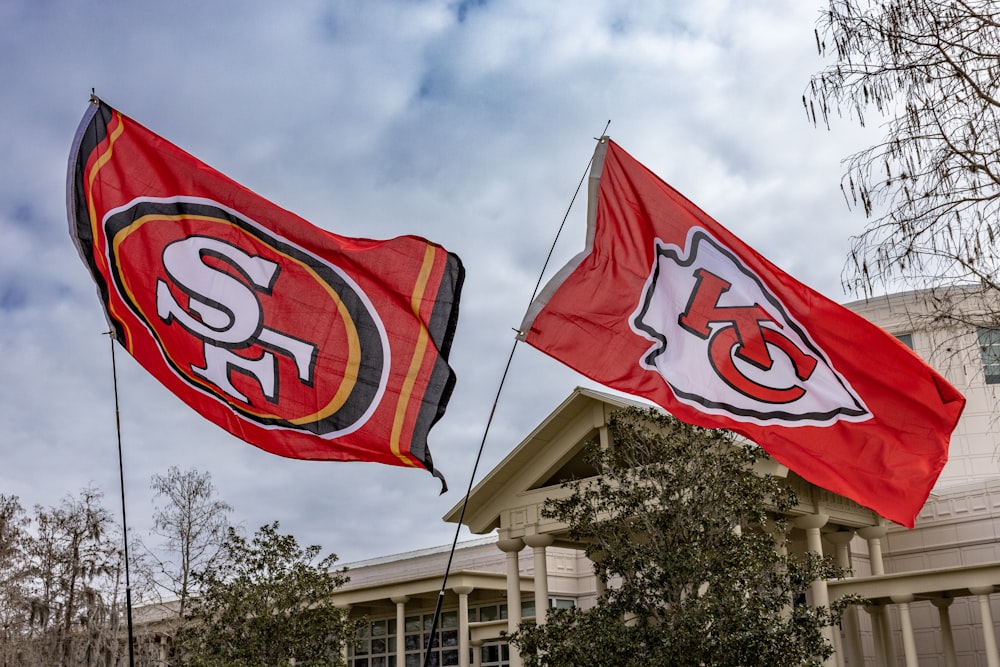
(469, 123)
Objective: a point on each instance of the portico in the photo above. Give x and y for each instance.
(527, 562)
(510, 499)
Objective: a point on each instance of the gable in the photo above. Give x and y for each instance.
(546, 458)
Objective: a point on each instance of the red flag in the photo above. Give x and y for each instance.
(304, 343)
(667, 304)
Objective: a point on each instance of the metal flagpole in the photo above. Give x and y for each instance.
(121, 478)
(465, 502)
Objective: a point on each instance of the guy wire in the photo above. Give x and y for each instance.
(489, 421)
(121, 478)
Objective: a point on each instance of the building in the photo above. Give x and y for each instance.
(930, 588)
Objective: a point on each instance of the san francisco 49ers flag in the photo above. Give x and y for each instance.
(666, 304)
(304, 343)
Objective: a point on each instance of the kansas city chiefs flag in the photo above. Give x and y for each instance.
(304, 343)
(666, 304)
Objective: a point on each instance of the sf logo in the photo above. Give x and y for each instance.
(737, 332)
(226, 314)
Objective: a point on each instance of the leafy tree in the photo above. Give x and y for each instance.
(191, 523)
(265, 602)
(931, 186)
(683, 532)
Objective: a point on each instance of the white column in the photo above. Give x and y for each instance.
(989, 632)
(512, 548)
(477, 653)
(400, 601)
(947, 639)
(463, 624)
(812, 523)
(600, 588)
(538, 544)
(344, 646)
(906, 626)
(841, 541)
(852, 630)
(781, 549)
(873, 535)
(885, 652)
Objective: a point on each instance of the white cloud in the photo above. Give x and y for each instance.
(378, 119)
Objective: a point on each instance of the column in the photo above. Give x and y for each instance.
(989, 632)
(852, 629)
(906, 626)
(885, 650)
(873, 535)
(600, 588)
(463, 624)
(947, 639)
(344, 647)
(538, 544)
(477, 652)
(400, 601)
(596, 558)
(812, 523)
(512, 548)
(781, 549)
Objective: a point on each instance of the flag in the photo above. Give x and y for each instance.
(667, 304)
(304, 343)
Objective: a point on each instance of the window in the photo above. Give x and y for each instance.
(989, 351)
(374, 645)
(492, 612)
(494, 654)
(375, 642)
(906, 339)
(418, 629)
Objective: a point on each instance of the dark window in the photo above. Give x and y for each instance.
(989, 351)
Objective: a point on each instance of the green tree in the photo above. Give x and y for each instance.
(265, 602)
(930, 69)
(683, 532)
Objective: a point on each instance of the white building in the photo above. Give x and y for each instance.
(930, 587)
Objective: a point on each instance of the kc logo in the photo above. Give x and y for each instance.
(232, 309)
(739, 333)
(726, 345)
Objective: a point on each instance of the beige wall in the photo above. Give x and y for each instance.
(953, 350)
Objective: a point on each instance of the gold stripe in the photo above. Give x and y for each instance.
(99, 164)
(419, 350)
(351, 369)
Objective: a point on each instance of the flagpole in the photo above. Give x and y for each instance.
(489, 422)
(121, 479)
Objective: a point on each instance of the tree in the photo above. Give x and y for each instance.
(74, 565)
(683, 532)
(931, 186)
(265, 602)
(13, 577)
(192, 525)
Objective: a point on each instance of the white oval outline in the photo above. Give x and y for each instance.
(383, 381)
